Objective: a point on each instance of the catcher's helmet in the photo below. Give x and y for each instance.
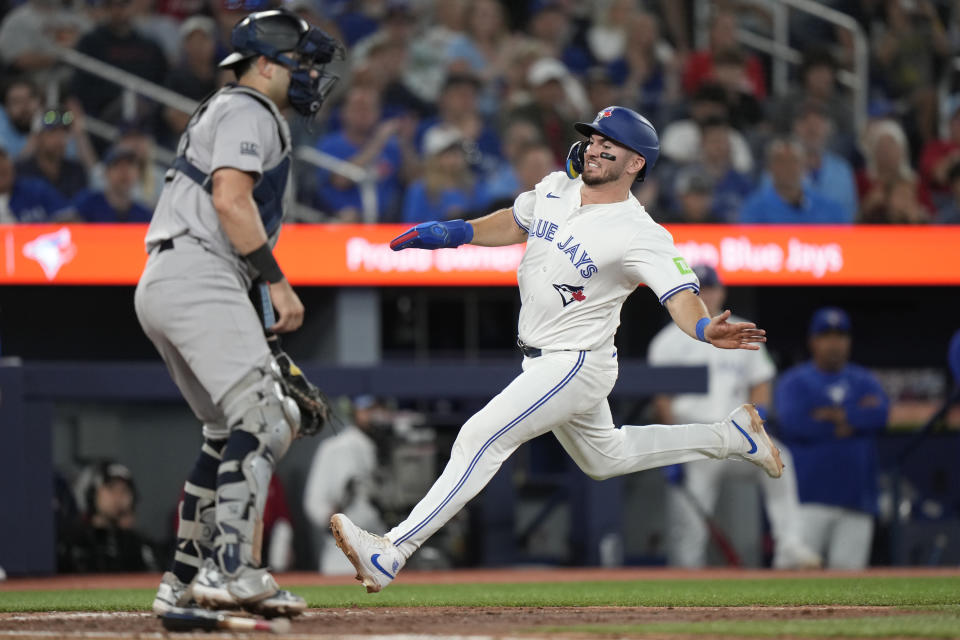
(285, 38)
(628, 128)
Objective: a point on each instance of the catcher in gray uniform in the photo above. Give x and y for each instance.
(210, 239)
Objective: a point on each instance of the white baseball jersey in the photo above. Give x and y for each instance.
(582, 262)
(580, 265)
(730, 373)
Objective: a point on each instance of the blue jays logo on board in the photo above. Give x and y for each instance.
(570, 293)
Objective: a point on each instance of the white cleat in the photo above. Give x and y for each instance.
(796, 556)
(209, 588)
(745, 422)
(375, 558)
(170, 594)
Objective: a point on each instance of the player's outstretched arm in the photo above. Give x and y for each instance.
(495, 230)
(687, 310)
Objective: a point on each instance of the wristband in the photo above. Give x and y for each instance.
(701, 326)
(461, 232)
(266, 265)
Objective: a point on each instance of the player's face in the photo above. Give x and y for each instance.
(604, 161)
(830, 350)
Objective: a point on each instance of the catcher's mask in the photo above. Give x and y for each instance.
(286, 38)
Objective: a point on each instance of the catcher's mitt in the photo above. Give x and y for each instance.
(314, 406)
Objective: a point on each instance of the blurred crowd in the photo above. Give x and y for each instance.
(455, 107)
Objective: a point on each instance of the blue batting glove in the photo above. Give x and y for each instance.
(434, 235)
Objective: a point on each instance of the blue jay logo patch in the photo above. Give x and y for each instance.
(570, 293)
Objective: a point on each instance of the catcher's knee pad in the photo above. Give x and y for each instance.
(198, 526)
(263, 422)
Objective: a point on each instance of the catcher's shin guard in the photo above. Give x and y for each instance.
(198, 524)
(263, 422)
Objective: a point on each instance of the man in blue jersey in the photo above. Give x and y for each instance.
(830, 412)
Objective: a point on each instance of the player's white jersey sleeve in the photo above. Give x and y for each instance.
(652, 259)
(523, 209)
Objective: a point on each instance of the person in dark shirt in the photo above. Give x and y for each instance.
(116, 42)
(25, 199)
(115, 203)
(104, 538)
(49, 158)
(196, 75)
(830, 413)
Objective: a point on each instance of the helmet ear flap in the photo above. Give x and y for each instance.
(574, 165)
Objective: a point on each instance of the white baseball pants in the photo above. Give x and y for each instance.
(564, 392)
(688, 534)
(842, 536)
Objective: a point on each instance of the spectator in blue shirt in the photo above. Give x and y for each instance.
(25, 199)
(830, 412)
(115, 203)
(785, 199)
(49, 160)
(21, 105)
(386, 148)
(828, 173)
(446, 190)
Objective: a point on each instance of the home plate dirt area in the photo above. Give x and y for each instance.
(401, 623)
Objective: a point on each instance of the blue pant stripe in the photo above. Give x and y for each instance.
(486, 445)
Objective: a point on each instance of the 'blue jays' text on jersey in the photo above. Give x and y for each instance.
(582, 262)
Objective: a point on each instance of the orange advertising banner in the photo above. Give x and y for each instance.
(359, 255)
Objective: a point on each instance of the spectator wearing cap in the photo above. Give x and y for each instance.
(383, 67)
(343, 478)
(828, 173)
(150, 173)
(49, 157)
(447, 189)
(557, 99)
(116, 42)
(26, 199)
(458, 109)
(21, 106)
(115, 203)
(426, 70)
(373, 144)
(680, 141)
(105, 538)
(830, 412)
(699, 68)
(690, 198)
(195, 74)
(785, 199)
(733, 377)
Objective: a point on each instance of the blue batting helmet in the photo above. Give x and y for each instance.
(626, 127)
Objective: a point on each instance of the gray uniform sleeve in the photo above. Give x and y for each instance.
(245, 134)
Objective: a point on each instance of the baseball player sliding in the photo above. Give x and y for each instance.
(589, 243)
(211, 235)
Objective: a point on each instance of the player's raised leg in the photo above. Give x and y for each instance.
(603, 451)
(551, 388)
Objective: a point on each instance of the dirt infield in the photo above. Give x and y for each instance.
(461, 622)
(406, 623)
